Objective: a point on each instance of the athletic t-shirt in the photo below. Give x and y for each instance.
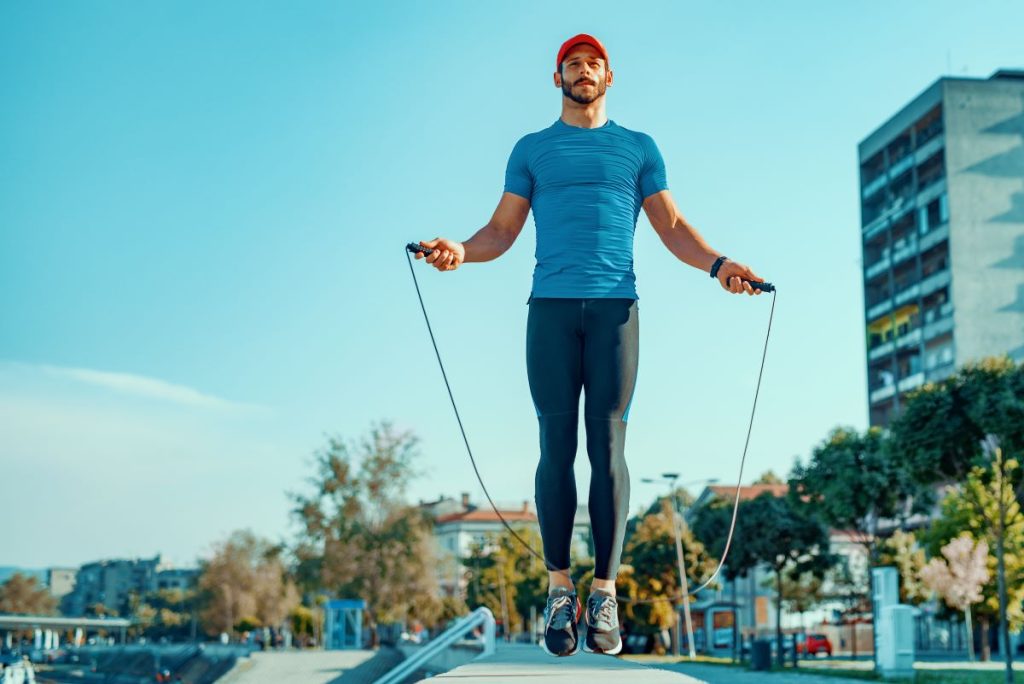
(586, 187)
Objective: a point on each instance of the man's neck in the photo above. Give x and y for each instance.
(584, 116)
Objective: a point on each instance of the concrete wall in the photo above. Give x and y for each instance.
(984, 124)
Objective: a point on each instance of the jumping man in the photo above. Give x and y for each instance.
(586, 178)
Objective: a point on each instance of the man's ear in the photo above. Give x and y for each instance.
(558, 79)
(610, 76)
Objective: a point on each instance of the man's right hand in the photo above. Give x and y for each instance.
(447, 254)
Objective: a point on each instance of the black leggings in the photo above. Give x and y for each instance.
(574, 344)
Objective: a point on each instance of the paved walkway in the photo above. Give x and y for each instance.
(295, 667)
(515, 662)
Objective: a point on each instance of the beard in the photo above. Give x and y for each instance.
(582, 97)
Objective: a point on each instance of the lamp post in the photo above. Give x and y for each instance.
(676, 529)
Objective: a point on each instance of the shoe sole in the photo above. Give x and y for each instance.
(611, 651)
(579, 641)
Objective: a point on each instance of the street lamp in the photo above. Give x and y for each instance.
(676, 529)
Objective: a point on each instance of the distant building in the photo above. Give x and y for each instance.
(111, 582)
(942, 231)
(459, 525)
(60, 581)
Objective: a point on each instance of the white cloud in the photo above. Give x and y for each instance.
(141, 386)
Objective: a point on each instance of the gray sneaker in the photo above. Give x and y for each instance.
(602, 624)
(561, 615)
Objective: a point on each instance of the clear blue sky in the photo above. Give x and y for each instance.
(203, 208)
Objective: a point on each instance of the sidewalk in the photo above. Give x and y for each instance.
(513, 662)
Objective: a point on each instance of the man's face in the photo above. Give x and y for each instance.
(584, 76)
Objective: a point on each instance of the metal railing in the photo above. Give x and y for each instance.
(481, 617)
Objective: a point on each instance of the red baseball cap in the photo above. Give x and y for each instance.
(581, 38)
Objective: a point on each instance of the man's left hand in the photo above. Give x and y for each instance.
(733, 275)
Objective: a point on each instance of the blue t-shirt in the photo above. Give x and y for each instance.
(586, 187)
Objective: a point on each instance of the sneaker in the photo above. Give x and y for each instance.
(603, 624)
(561, 615)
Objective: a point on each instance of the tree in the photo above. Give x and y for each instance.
(23, 594)
(959, 579)
(803, 591)
(653, 571)
(770, 478)
(505, 576)
(245, 583)
(359, 537)
(853, 482)
(784, 536)
(986, 506)
(941, 424)
(901, 550)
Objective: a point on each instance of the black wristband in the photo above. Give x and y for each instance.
(717, 265)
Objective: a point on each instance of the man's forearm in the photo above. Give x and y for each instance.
(488, 243)
(688, 246)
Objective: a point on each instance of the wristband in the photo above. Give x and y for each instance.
(717, 265)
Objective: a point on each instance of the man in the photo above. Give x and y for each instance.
(586, 178)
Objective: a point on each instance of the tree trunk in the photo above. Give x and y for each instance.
(778, 619)
(1004, 629)
(970, 634)
(735, 623)
(986, 651)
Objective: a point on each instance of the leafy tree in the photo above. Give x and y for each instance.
(501, 564)
(986, 506)
(245, 585)
(901, 551)
(959, 578)
(770, 478)
(654, 570)
(359, 537)
(938, 431)
(801, 592)
(23, 594)
(784, 536)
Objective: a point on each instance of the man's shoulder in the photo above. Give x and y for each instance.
(638, 136)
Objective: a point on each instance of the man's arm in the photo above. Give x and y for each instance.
(688, 246)
(488, 243)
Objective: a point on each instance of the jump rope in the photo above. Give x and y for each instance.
(412, 248)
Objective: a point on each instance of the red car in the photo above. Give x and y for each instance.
(814, 644)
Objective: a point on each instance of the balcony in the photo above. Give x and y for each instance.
(930, 192)
(874, 186)
(934, 237)
(907, 294)
(939, 327)
(911, 382)
(901, 165)
(925, 151)
(879, 266)
(881, 350)
(880, 308)
(904, 249)
(935, 282)
(882, 393)
(909, 339)
(941, 372)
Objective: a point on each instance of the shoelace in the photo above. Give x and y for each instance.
(603, 609)
(560, 611)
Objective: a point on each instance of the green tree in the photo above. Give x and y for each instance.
(653, 571)
(23, 594)
(902, 551)
(783, 535)
(501, 564)
(941, 425)
(939, 430)
(986, 507)
(359, 537)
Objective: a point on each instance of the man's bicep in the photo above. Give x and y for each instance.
(510, 216)
(661, 210)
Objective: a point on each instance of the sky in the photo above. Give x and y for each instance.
(203, 208)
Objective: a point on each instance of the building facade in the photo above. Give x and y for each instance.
(111, 582)
(942, 221)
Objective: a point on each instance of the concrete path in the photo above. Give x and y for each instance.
(294, 667)
(515, 662)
